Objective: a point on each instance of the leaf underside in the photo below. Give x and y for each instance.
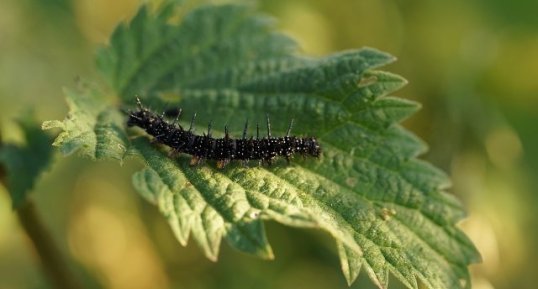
(387, 210)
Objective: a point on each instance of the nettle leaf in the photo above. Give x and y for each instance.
(150, 54)
(388, 211)
(92, 128)
(24, 163)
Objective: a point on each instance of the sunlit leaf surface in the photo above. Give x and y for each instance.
(387, 211)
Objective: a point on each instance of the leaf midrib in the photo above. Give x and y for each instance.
(319, 202)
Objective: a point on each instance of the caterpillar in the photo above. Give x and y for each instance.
(222, 150)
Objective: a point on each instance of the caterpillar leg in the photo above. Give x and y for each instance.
(288, 159)
(222, 163)
(173, 153)
(195, 161)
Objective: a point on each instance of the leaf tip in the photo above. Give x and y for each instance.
(378, 56)
(350, 262)
(266, 253)
(50, 124)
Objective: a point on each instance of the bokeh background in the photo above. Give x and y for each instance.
(472, 64)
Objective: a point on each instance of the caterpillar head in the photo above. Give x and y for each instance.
(313, 147)
(142, 117)
(139, 118)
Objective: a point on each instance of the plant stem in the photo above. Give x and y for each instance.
(51, 258)
(53, 264)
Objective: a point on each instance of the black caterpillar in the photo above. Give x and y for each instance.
(223, 150)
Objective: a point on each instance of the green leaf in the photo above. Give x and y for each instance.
(92, 128)
(388, 211)
(149, 54)
(24, 163)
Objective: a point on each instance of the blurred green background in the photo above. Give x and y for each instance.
(472, 64)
